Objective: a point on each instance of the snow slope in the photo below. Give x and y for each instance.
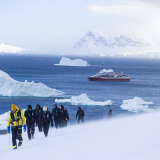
(83, 100)
(10, 49)
(132, 138)
(11, 87)
(76, 62)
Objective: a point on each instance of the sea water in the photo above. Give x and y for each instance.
(144, 73)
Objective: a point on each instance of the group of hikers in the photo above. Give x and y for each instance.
(42, 117)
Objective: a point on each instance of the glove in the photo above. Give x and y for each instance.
(24, 128)
(8, 129)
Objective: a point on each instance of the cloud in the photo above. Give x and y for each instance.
(134, 10)
(143, 18)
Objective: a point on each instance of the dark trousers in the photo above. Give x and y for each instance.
(56, 121)
(45, 128)
(30, 129)
(16, 134)
(80, 119)
(63, 123)
(39, 126)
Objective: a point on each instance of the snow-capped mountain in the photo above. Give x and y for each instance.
(95, 39)
(9, 49)
(96, 43)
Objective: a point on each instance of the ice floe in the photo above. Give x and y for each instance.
(11, 87)
(76, 62)
(83, 100)
(136, 104)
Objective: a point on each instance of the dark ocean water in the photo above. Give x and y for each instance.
(145, 82)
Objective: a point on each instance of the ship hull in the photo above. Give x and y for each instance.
(109, 79)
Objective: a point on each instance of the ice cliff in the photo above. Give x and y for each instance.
(76, 62)
(11, 87)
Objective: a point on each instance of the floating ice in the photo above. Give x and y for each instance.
(11, 87)
(76, 62)
(83, 100)
(136, 104)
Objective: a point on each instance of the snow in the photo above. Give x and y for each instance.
(83, 100)
(3, 120)
(136, 104)
(76, 62)
(11, 87)
(130, 138)
(10, 49)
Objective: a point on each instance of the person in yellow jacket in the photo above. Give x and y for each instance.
(16, 119)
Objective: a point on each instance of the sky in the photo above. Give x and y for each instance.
(56, 25)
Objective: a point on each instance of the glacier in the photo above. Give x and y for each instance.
(11, 87)
(9, 49)
(76, 62)
(83, 100)
(136, 104)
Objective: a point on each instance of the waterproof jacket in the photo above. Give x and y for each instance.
(56, 112)
(17, 118)
(47, 117)
(30, 116)
(64, 116)
(38, 113)
(80, 114)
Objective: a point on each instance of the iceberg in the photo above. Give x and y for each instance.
(76, 62)
(11, 87)
(83, 100)
(136, 104)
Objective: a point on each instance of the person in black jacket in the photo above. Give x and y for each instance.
(80, 114)
(56, 115)
(64, 116)
(46, 120)
(38, 112)
(30, 121)
(110, 114)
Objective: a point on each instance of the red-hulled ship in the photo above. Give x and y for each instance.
(109, 75)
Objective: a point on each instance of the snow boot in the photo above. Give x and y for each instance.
(19, 144)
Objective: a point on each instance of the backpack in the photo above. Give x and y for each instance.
(18, 115)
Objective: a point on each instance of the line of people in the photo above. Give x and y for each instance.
(41, 116)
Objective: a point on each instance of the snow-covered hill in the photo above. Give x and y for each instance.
(95, 43)
(9, 49)
(132, 138)
(91, 38)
